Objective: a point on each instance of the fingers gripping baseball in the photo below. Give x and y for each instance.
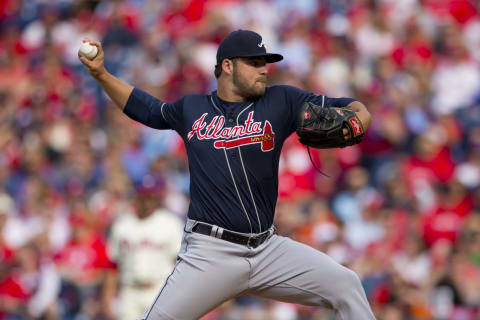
(95, 66)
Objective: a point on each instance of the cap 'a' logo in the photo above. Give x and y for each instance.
(261, 44)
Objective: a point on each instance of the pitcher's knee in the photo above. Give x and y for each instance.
(354, 279)
(348, 283)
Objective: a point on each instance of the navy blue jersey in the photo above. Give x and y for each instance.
(233, 149)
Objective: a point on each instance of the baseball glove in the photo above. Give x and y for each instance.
(323, 127)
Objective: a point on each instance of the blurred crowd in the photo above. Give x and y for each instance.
(402, 209)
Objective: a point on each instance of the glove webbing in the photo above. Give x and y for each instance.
(318, 115)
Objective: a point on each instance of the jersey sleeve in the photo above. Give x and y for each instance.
(152, 112)
(296, 97)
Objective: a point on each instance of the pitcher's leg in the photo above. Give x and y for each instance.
(293, 272)
(207, 273)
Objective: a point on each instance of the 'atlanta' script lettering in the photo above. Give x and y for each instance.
(251, 132)
(216, 130)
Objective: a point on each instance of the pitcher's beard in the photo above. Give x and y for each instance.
(248, 92)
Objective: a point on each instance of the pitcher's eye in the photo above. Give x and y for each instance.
(257, 63)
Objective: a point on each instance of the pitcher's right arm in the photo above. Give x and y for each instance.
(135, 103)
(115, 88)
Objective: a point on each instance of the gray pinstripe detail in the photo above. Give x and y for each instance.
(246, 177)
(161, 110)
(238, 193)
(231, 173)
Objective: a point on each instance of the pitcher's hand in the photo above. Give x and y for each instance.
(96, 66)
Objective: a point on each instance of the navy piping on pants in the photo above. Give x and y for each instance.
(166, 280)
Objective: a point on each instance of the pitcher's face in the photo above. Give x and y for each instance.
(250, 77)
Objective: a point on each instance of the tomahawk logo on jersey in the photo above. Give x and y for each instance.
(236, 136)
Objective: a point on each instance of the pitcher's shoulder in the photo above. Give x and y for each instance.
(280, 89)
(194, 100)
(275, 89)
(279, 92)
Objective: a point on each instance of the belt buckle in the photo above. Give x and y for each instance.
(252, 245)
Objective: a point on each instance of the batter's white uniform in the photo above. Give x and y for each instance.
(145, 251)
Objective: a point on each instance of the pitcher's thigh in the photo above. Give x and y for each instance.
(294, 272)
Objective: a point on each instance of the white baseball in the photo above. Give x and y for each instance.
(88, 51)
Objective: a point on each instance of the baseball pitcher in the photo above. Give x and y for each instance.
(233, 139)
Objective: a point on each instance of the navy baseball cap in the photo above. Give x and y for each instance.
(244, 44)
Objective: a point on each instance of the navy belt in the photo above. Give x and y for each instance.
(252, 241)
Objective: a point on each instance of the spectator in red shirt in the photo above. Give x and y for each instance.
(82, 264)
(31, 288)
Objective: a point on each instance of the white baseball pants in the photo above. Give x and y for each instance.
(210, 271)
